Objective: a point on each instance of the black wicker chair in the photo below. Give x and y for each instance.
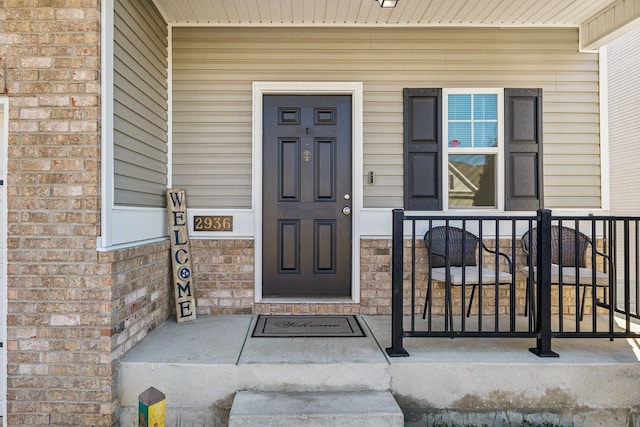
(568, 262)
(453, 259)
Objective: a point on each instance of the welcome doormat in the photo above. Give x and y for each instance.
(289, 326)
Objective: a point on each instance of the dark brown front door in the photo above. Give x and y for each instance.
(306, 228)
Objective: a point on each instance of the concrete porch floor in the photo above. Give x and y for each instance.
(199, 365)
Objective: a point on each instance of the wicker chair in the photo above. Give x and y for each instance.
(453, 259)
(568, 261)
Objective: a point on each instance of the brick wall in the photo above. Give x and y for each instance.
(375, 276)
(224, 280)
(376, 280)
(223, 276)
(60, 369)
(139, 280)
(375, 296)
(142, 294)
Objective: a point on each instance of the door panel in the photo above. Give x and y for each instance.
(324, 247)
(289, 177)
(306, 186)
(289, 247)
(325, 161)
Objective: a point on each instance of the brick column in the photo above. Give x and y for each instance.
(60, 368)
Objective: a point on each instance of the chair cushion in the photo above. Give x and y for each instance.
(472, 276)
(569, 275)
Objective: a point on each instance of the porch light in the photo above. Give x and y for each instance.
(387, 3)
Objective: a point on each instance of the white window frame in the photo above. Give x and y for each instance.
(498, 150)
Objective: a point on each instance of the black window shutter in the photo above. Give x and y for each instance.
(422, 152)
(523, 149)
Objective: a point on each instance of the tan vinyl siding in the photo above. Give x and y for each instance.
(213, 69)
(624, 127)
(140, 105)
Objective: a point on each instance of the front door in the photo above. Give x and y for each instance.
(306, 196)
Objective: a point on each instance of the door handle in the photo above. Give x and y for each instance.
(346, 210)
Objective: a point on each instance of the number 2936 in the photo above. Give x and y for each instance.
(213, 223)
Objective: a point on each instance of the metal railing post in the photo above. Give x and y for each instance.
(397, 267)
(543, 291)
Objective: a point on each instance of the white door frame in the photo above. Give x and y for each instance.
(309, 88)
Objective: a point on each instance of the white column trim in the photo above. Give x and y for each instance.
(4, 144)
(106, 88)
(605, 161)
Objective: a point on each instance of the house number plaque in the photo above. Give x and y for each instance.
(213, 223)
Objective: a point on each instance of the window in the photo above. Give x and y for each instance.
(473, 149)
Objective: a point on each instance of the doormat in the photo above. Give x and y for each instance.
(283, 326)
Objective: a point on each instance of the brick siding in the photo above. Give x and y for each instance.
(60, 366)
(224, 281)
(375, 294)
(223, 276)
(375, 276)
(142, 293)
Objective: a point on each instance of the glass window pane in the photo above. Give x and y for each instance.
(472, 181)
(459, 107)
(460, 134)
(485, 107)
(485, 134)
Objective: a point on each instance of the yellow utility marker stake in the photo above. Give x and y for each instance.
(151, 408)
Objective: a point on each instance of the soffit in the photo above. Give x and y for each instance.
(558, 13)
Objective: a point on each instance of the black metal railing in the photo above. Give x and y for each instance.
(540, 277)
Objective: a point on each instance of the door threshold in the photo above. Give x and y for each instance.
(306, 301)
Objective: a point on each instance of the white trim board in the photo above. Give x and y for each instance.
(605, 161)
(4, 144)
(325, 88)
(106, 200)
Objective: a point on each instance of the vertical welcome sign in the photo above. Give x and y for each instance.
(184, 291)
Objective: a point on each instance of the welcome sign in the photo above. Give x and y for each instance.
(184, 291)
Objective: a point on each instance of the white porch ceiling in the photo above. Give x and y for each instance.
(600, 18)
(368, 12)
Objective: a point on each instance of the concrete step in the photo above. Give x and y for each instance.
(315, 409)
